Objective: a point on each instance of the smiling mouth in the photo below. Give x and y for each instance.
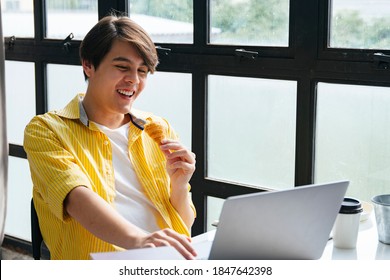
(126, 92)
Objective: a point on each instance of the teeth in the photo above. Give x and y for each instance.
(124, 92)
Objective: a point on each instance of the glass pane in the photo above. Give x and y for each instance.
(353, 138)
(18, 18)
(250, 22)
(251, 131)
(360, 24)
(20, 98)
(161, 98)
(166, 21)
(65, 17)
(214, 208)
(63, 83)
(17, 223)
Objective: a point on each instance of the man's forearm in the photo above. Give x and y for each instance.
(98, 217)
(181, 202)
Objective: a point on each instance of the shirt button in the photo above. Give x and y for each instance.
(105, 142)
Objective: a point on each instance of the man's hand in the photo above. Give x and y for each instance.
(180, 162)
(168, 237)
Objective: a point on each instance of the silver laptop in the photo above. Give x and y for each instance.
(278, 225)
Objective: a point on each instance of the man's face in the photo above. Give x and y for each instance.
(118, 80)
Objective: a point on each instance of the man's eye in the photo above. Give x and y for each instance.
(121, 67)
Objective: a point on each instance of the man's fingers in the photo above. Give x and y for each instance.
(169, 237)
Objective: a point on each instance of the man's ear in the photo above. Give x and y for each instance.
(88, 68)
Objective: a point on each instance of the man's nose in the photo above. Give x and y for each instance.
(132, 77)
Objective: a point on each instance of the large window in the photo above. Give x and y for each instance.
(18, 18)
(168, 21)
(70, 17)
(251, 131)
(353, 137)
(360, 24)
(63, 83)
(19, 113)
(249, 22)
(269, 94)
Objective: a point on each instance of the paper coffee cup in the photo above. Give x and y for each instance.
(346, 227)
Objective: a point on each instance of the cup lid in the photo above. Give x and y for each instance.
(351, 206)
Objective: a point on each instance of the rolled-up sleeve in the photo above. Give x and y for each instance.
(54, 170)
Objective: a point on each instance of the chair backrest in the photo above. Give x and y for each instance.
(36, 235)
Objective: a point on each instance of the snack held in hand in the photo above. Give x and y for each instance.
(156, 131)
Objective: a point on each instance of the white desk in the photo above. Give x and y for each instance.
(368, 247)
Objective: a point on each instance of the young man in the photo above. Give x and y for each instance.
(101, 183)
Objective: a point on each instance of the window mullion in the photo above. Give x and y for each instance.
(201, 23)
(39, 20)
(105, 7)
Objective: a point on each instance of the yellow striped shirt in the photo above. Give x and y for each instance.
(65, 150)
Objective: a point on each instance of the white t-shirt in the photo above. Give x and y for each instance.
(130, 200)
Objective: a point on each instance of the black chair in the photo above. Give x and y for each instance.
(36, 235)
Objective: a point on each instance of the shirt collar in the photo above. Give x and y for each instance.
(75, 110)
